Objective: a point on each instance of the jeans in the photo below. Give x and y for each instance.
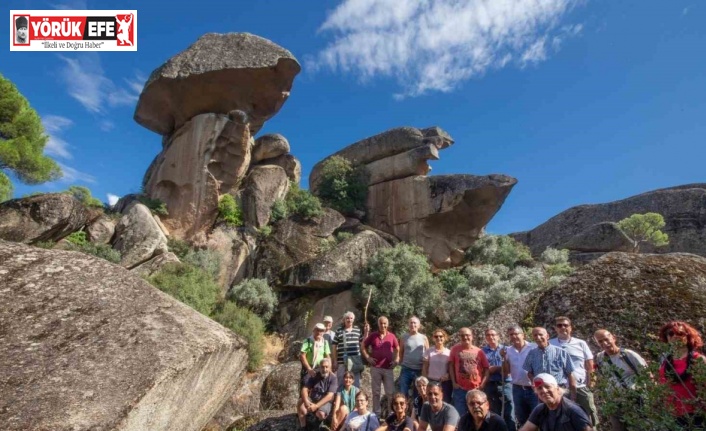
(459, 399)
(524, 400)
(499, 394)
(407, 378)
(385, 376)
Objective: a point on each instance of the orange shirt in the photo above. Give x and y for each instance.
(469, 366)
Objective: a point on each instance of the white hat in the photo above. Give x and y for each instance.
(544, 379)
(320, 327)
(328, 319)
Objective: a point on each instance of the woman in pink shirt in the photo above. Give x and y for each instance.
(436, 360)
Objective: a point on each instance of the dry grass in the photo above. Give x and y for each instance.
(274, 344)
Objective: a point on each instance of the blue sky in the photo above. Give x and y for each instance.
(581, 101)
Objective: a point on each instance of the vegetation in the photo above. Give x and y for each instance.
(179, 247)
(279, 210)
(255, 295)
(265, 231)
(22, 141)
(104, 251)
(77, 238)
(297, 201)
(83, 194)
(644, 228)
(207, 260)
(191, 285)
(229, 211)
(155, 205)
(342, 236)
(498, 250)
(246, 324)
(342, 186)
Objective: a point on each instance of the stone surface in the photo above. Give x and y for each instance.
(292, 167)
(48, 217)
(605, 236)
(407, 164)
(268, 420)
(217, 74)
(236, 249)
(280, 389)
(125, 202)
(386, 144)
(206, 158)
(269, 146)
(339, 267)
(333, 305)
(443, 214)
(101, 230)
(153, 265)
(261, 188)
(104, 350)
(293, 241)
(244, 401)
(138, 238)
(683, 209)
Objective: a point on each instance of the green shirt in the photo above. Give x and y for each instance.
(308, 348)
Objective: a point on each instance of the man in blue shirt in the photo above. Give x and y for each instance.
(499, 387)
(550, 360)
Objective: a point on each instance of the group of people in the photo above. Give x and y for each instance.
(546, 384)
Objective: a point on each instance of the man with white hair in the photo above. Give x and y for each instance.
(345, 348)
(479, 416)
(412, 348)
(317, 393)
(557, 412)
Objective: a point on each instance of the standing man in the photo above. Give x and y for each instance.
(548, 359)
(384, 355)
(412, 349)
(556, 413)
(346, 343)
(499, 387)
(436, 414)
(582, 360)
(620, 366)
(523, 396)
(329, 334)
(468, 369)
(479, 416)
(317, 394)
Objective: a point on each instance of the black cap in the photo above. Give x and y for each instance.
(21, 22)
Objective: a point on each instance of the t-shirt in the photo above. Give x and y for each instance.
(315, 351)
(382, 348)
(492, 422)
(682, 395)
(516, 358)
(579, 353)
(417, 405)
(438, 362)
(413, 350)
(352, 343)
(469, 366)
(319, 385)
(446, 416)
(394, 425)
(358, 422)
(569, 416)
(617, 365)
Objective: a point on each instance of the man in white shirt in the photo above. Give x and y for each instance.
(523, 395)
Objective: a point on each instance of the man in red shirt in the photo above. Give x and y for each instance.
(383, 357)
(468, 368)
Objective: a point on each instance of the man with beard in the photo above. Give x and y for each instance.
(317, 394)
(436, 414)
(556, 413)
(479, 416)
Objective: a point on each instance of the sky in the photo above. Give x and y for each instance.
(583, 101)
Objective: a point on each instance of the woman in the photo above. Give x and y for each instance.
(361, 419)
(313, 350)
(398, 420)
(677, 371)
(419, 401)
(344, 402)
(436, 361)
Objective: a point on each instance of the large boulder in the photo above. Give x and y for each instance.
(152, 266)
(138, 238)
(269, 146)
(262, 187)
(443, 214)
(236, 251)
(606, 236)
(339, 267)
(48, 217)
(87, 345)
(267, 420)
(244, 401)
(101, 230)
(683, 209)
(205, 158)
(292, 167)
(280, 389)
(217, 74)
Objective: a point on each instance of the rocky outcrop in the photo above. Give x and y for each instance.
(244, 401)
(217, 74)
(443, 214)
(138, 238)
(268, 420)
(292, 167)
(263, 186)
(101, 230)
(280, 389)
(604, 237)
(339, 267)
(153, 265)
(269, 146)
(236, 250)
(683, 209)
(104, 350)
(48, 217)
(204, 159)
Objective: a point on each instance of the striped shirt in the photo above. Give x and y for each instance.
(552, 360)
(351, 342)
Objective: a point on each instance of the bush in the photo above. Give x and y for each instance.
(497, 250)
(229, 211)
(155, 205)
(246, 324)
(302, 202)
(48, 245)
(83, 194)
(342, 236)
(279, 210)
(342, 186)
(326, 244)
(255, 295)
(207, 260)
(265, 231)
(188, 284)
(178, 247)
(104, 251)
(77, 238)
(402, 284)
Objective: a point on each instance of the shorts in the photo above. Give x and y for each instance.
(326, 408)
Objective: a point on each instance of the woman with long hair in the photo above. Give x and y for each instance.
(344, 403)
(398, 420)
(436, 359)
(361, 419)
(677, 370)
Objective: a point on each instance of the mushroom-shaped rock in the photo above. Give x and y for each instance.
(48, 217)
(269, 146)
(217, 74)
(292, 167)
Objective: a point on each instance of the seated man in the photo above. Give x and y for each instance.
(317, 394)
(556, 412)
(436, 414)
(479, 416)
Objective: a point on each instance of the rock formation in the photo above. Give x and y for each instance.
(263, 186)
(48, 217)
(87, 345)
(101, 230)
(138, 238)
(683, 209)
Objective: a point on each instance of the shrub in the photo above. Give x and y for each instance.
(402, 284)
(77, 238)
(155, 205)
(302, 202)
(45, 244)
(246, 324)
(207, 260)
(104, 251)
(265, 231)
(342, 236)
(644, 229)
(229, 211)
(497, 250)
(188, 284)
(342, 186)
(255, 295)
(279, 210)
(179, 247)
(326, 244)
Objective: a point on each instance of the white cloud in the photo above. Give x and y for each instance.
(106, 125)
(685, 11)
(56, 146)
(112, 199)
(72, 175)
(434, 45)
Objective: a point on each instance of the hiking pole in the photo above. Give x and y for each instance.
(365, 312)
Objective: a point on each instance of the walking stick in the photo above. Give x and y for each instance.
(365, 312)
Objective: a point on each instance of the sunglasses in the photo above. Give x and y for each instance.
(562, 325)
(675, 334)
(438, 336)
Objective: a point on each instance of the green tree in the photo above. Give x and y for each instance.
(229, 211)
(497, 250)
(342, 186)
(83, 194)
(644, 228)
(22, 141)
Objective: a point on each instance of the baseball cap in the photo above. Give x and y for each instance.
(328, 319)
(320, 327)
(544, 379)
